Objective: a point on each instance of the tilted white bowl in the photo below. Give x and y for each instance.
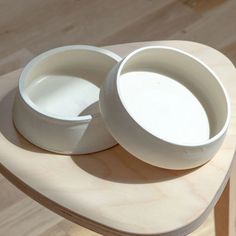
(165, 107)
(56, 106)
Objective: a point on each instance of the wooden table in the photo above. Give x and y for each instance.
(112, 192)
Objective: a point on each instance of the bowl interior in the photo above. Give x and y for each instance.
(173, 96)
(66, 82)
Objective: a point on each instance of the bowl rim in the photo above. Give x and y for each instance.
(44, 55)
(182, 52)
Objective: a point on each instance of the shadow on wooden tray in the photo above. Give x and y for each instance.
(114, 164)
(7, 127)
(117, 165)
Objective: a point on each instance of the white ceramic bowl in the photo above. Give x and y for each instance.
(166, 107)
(56, 106)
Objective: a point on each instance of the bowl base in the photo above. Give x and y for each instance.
(62, 95)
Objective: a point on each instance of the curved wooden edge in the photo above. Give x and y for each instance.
(83, 221)
(119, 48)
(98, 227)
(56, 208)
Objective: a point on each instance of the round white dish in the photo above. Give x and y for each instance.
(165, 107)
(56, 106)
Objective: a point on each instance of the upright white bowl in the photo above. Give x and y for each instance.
(56, 106)
(165, 107)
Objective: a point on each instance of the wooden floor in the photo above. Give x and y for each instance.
(29, 27)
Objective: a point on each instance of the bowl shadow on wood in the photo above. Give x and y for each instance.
(7, 128)
(117, 165)
(114, 164)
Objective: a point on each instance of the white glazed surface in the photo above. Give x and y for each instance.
(165, 107)
(56, 106)
(65, 96)
(143, 94)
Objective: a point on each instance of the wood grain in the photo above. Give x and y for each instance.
(31, 27)
(202, 5)
(214, 28)
(225, 210)
(169, 19)
(70, 22)
(112, 192)
(28, 216)
(8, 194)
(15, 61)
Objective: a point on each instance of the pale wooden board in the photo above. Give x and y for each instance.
(202, 5)
(15, 61)
(148, 27)
(28, 216)
(112, 191)
(23, 27)
(9, 195)
(215, 28)
(56, 23)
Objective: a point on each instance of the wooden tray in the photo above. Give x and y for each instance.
(112, 192)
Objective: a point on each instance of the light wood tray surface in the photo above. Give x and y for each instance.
(112, 192)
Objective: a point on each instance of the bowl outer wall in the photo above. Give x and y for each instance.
(142, 144)
(58, 135)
